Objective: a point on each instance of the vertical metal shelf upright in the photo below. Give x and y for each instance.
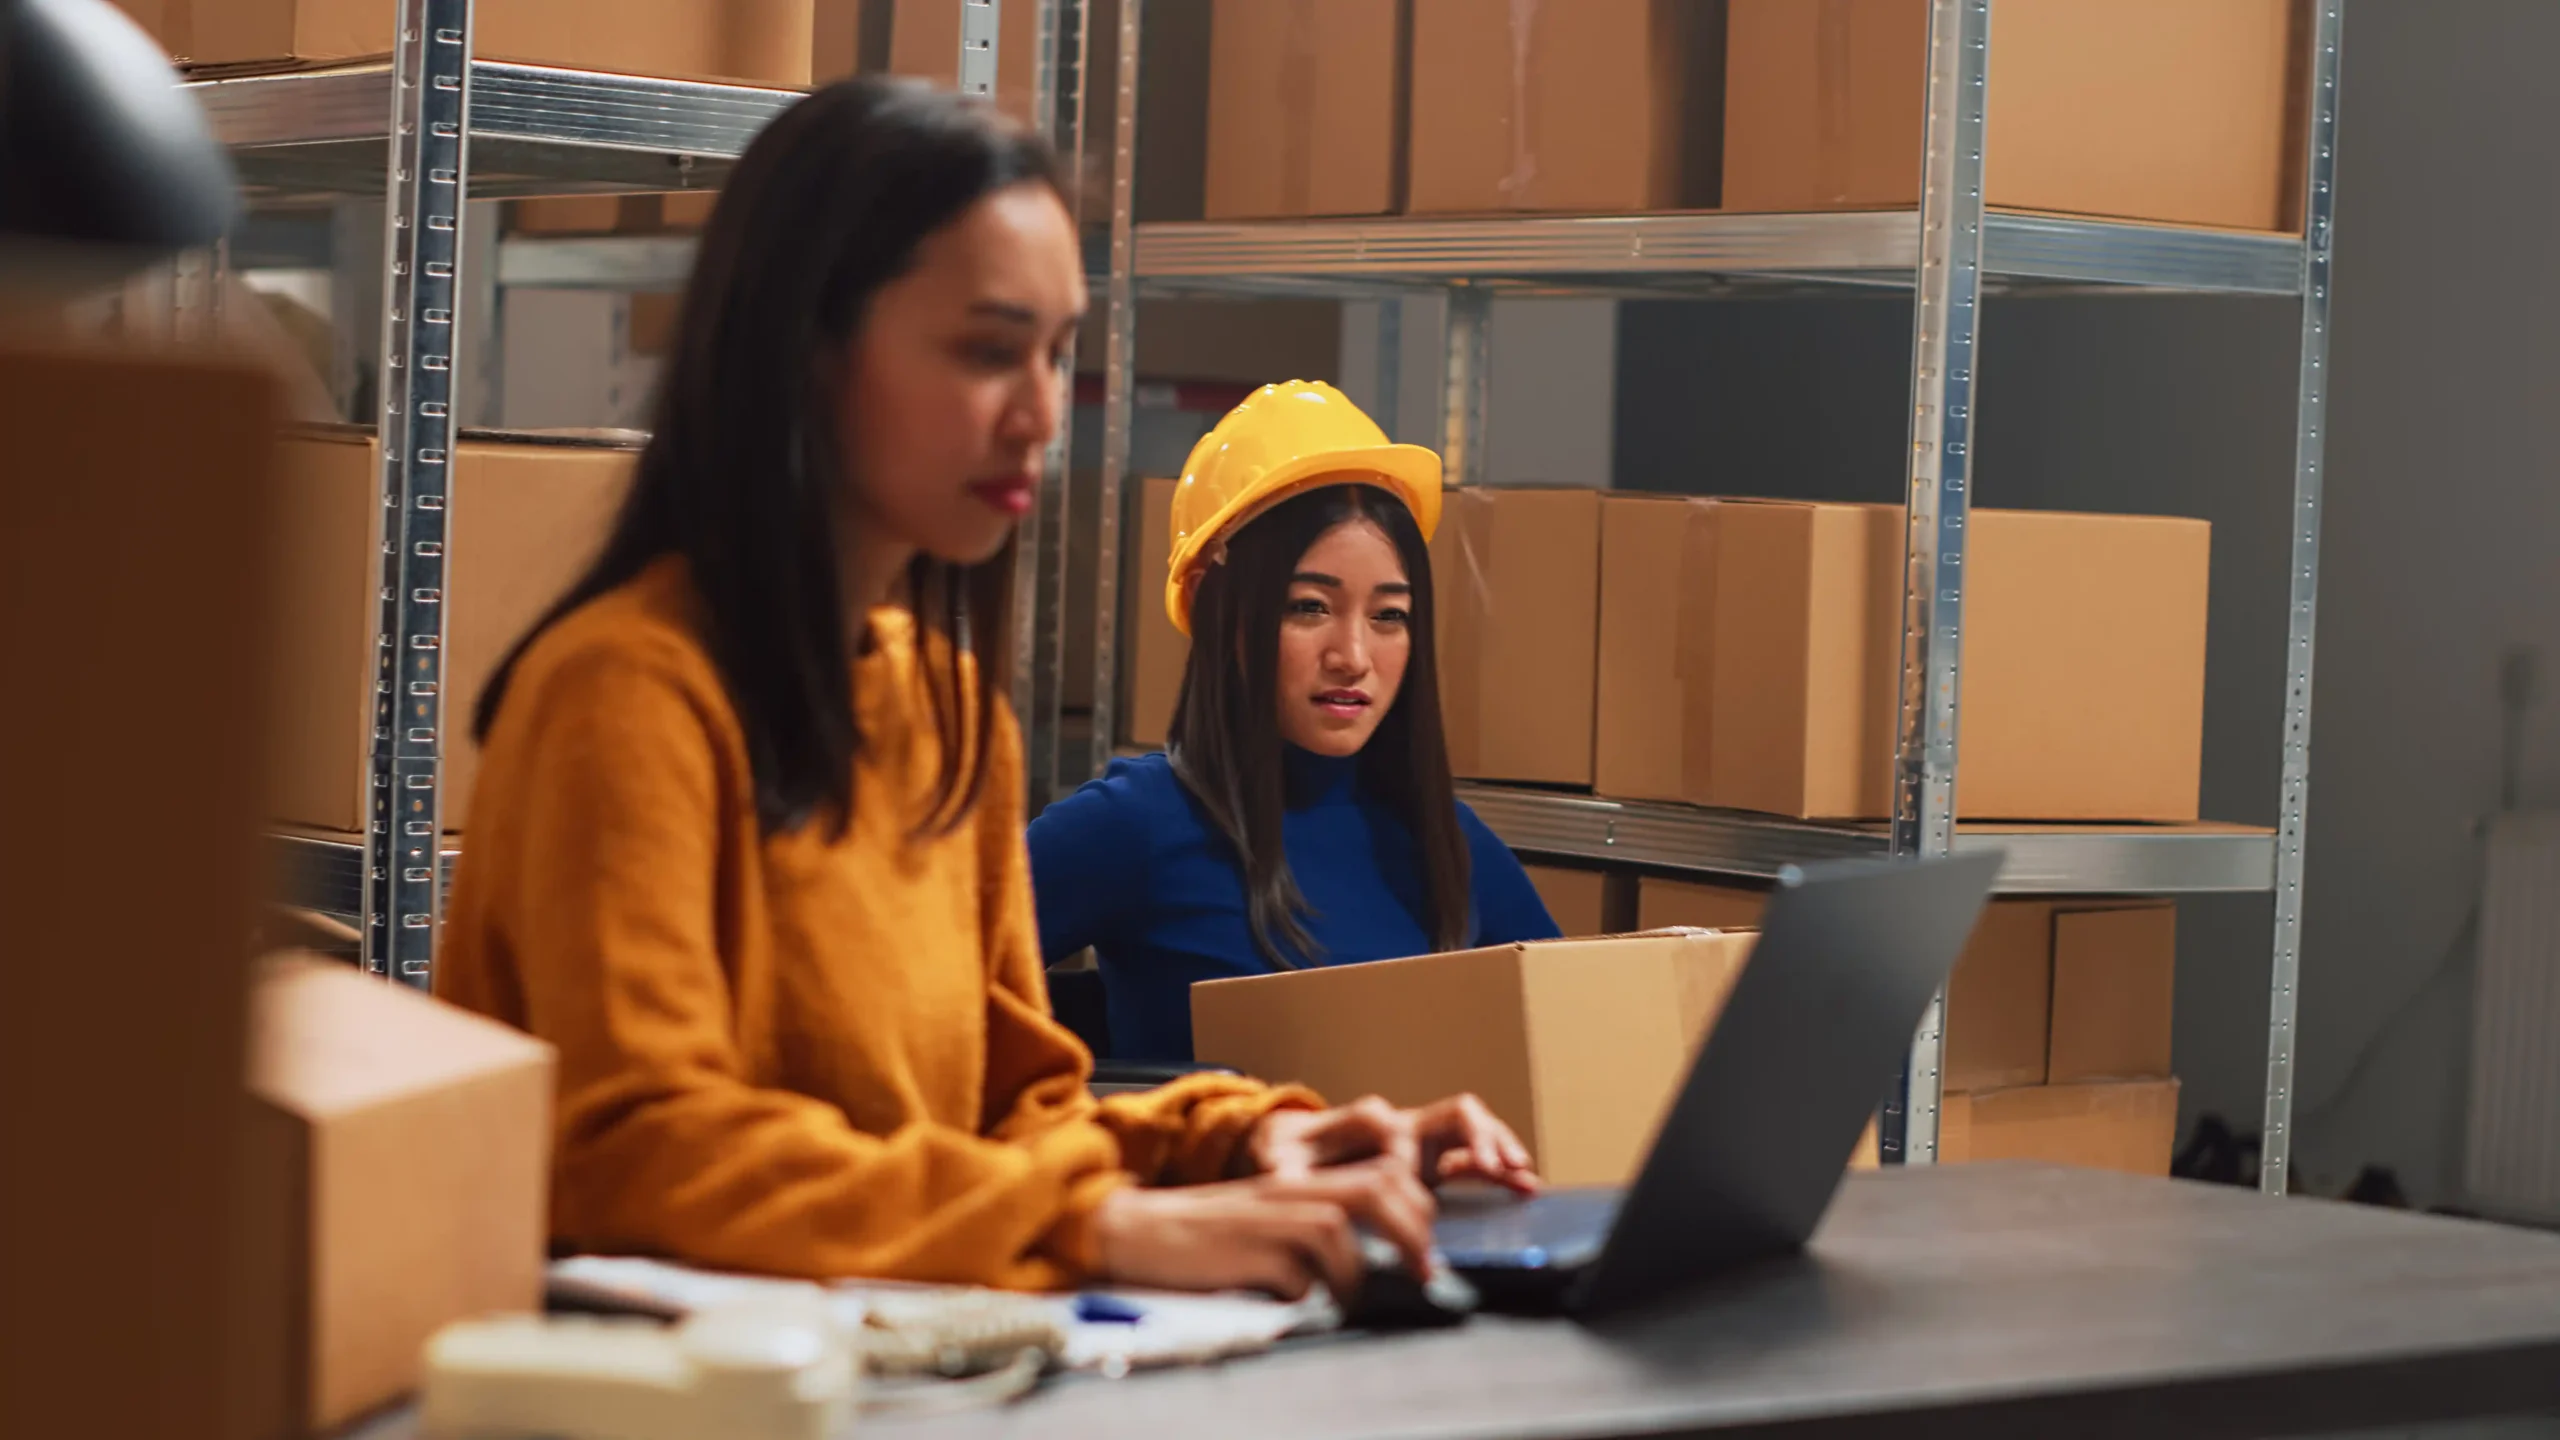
(422, 249)
(1950, 251)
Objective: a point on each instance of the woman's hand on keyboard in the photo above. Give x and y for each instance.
(1458, 1138)
(1278, 1233)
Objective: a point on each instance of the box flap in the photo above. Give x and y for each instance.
(326, 1039)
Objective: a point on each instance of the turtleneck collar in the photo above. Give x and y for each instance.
(1314, 779)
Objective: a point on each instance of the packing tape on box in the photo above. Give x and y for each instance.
(1298, 106)
(1693, 656)
(1524, 154)
(1834, 87)
(1462, 556)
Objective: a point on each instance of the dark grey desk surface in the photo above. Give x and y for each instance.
(1979, 1300)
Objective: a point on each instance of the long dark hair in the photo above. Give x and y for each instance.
(741, 474)
(1225, 737)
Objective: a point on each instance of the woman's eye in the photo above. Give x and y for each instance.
(1392, 615)
(993, 356)
(1306, 607)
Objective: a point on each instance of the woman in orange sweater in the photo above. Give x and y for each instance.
(747, 844)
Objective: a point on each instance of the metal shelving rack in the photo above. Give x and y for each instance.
(427, 130)
(1948, 253)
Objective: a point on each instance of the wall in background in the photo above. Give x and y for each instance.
(2437, 555)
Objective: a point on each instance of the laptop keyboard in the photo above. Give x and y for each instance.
(1561, 1230)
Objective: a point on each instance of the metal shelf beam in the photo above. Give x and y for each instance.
(1668, 254)
(1598, 254)
(534, 129)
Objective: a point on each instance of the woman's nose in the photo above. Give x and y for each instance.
(1349, 652)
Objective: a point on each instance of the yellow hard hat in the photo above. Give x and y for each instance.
(1284, 440)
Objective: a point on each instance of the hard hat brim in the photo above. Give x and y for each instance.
(1410, 473)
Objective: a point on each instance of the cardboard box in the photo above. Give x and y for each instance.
(1598, 105)
(2177, 110)
(1750, 651)
(1516, 575)
(526, 519)
(407, 1146)
(2046, 990)
(758, 42)
(135, 604)
(2000, 1000)
(1579, 1044)
(2114, 989)
(1576, 899)
(1997, 999)
(1306, 108)
(2130, 1126)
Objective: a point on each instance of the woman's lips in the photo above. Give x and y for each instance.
(1011, 494)
(1342, 704)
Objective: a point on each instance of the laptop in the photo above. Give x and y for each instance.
(1815, 1033)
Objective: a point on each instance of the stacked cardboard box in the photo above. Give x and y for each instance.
(1746, 654)
(760, 42)
(2056, 1044)
(1306, 108)
(1353, 107)
(1750, 651)
(1516, 576)
(2176, 110)
(526, 520)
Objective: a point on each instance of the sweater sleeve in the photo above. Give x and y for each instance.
(1507, 905)
(1088, 865)
(664, 1143)
(1178, 1134)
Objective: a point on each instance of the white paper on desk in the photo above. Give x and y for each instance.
(1173, 1328)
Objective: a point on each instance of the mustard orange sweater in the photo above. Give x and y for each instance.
(787, 1054)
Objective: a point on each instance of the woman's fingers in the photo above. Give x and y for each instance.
(1364, 1128)
(1466, 1140)
(1318, 1239)
(1381, 1194)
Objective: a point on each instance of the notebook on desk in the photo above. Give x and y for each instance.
(1169, 1329)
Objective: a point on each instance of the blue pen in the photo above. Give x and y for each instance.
(1107, 1310)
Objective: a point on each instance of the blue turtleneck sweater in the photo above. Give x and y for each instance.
(1131, 866)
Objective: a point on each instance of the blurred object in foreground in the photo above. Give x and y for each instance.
(105, 164)
(134, 515)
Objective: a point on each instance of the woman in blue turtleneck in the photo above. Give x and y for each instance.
(1302, 813)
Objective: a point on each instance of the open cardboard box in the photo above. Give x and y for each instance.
(1578, 1044)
